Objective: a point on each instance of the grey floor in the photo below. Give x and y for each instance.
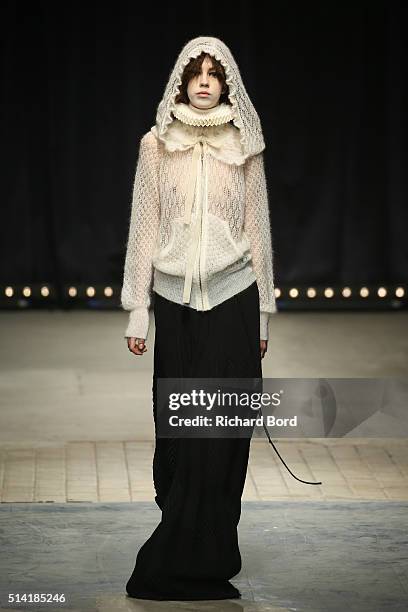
(311, 556)
(69, 377)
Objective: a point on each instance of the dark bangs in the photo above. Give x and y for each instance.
(193, 68)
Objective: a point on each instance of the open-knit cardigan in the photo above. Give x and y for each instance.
(226, 235)
(200, 227)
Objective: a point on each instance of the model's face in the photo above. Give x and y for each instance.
(207, 81)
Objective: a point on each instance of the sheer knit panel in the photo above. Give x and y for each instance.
(226, 191)
(175, 169)
(257, 226)
(136, 291)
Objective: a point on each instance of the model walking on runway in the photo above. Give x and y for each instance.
(199, 251)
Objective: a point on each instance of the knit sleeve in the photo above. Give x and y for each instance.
(136, 291)
(257, 226)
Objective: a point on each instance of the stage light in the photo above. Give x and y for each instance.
(303, 297)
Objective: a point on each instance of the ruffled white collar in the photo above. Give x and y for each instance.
(223, 138)
(189, 114)
(223, 141)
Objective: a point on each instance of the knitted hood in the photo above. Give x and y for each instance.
(245, 116)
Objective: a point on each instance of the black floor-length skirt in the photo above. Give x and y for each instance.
(194, 551)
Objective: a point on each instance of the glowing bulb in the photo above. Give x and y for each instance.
(9, 291)
(72, 291)
(311, 292)
(293, 292)
(328, 292)
(364, 292)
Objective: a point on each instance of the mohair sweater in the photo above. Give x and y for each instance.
(200, 225)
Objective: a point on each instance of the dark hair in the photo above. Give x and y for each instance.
(193, 68)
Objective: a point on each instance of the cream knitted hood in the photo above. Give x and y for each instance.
(245, 116)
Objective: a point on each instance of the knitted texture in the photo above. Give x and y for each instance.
(203, 117)
(245, 116)
(237, 220)
(257, 226)
(144, 222)
(200, 213)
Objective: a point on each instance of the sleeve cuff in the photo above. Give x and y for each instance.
(138, 325)
(264, 319)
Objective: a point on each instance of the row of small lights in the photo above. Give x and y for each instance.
(72, 291)
(293, 293)
(345, 292)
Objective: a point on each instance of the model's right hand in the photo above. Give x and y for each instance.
(137, 345)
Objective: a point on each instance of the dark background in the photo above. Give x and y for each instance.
(81, 83)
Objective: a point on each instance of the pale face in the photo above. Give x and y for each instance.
(208, 82)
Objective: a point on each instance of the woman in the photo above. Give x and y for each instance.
(199, 249)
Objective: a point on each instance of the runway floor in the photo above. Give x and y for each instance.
(76, 487)
(308, 555)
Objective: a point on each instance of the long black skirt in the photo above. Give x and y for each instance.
(194, 551)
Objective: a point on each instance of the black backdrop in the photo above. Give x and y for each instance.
(80, 86)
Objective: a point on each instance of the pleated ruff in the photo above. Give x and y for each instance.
(193, 553)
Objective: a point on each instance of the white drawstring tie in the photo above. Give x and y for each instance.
(194, 194)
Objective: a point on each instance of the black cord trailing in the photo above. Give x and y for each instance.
(277, 452)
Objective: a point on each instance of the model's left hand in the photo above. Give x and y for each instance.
(264, 348)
